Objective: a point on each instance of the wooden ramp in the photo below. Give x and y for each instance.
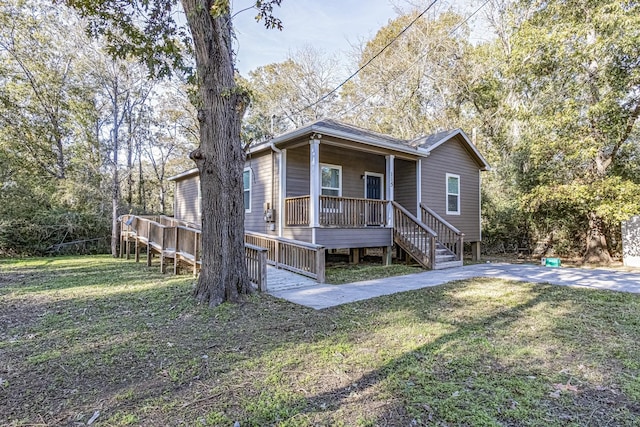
(180, 243)
(279, 279)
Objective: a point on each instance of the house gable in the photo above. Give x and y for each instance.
(432, 142)
(454, 158)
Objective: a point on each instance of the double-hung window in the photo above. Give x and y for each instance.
(246, 185)
(453, 194)
(330, 185)
(331, 180)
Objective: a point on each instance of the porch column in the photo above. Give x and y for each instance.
(282, 190)
(389, 160)
(314, 182)
(418, 187)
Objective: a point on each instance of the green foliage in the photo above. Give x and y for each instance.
(559, 107)
(41, 233)
(416, 86)
(565, 208)
(55, 140)
(219, 8)
(145, 30)
(265, 13)
(505, 226)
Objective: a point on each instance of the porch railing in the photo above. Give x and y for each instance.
(352, 212)
(448, 235)
(297, 210)
(337, 211)
(302, 258)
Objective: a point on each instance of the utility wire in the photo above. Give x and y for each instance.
(370, 60)
(412, 64)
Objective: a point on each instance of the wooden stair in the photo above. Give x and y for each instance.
(445, 258)
(421, 242)
(412, 247)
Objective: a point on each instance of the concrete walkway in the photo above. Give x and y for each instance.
(323, 296)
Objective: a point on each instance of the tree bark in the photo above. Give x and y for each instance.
(220, 158)
(597, 249)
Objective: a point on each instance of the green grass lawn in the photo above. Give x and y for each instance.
(87, 334)
(348, 273)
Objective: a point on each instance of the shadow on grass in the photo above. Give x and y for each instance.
(74, 340)
(479, 374)
(144, 353)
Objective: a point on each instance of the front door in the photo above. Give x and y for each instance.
(373, 190)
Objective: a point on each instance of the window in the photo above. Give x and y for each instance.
(453, 194)
(331, 180)
(246, 184)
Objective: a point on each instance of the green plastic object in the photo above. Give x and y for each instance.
(552, 262)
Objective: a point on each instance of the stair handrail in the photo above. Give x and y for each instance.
(439, 218)
(431, 251)
(414, 218)
(450, 236)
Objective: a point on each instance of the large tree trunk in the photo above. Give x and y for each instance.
(220, 158)
(597, 249)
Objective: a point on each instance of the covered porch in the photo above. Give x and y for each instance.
(331, 211)
(338, 193)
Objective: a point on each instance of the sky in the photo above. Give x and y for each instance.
(334, 26)
(331, 25)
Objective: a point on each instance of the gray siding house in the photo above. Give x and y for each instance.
(340, 186)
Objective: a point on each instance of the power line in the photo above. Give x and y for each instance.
(370, 60)
(469, 17)
(411, 65)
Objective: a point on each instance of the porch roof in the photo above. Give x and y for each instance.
(419, 147)
(333, 128)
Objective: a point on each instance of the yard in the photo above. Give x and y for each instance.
(112, 342)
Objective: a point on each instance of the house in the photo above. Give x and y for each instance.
(631, 242)
(340, 186)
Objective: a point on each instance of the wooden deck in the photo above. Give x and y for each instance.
(430, 239)
(179, 243)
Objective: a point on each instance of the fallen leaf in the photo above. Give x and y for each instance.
(559, 387)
